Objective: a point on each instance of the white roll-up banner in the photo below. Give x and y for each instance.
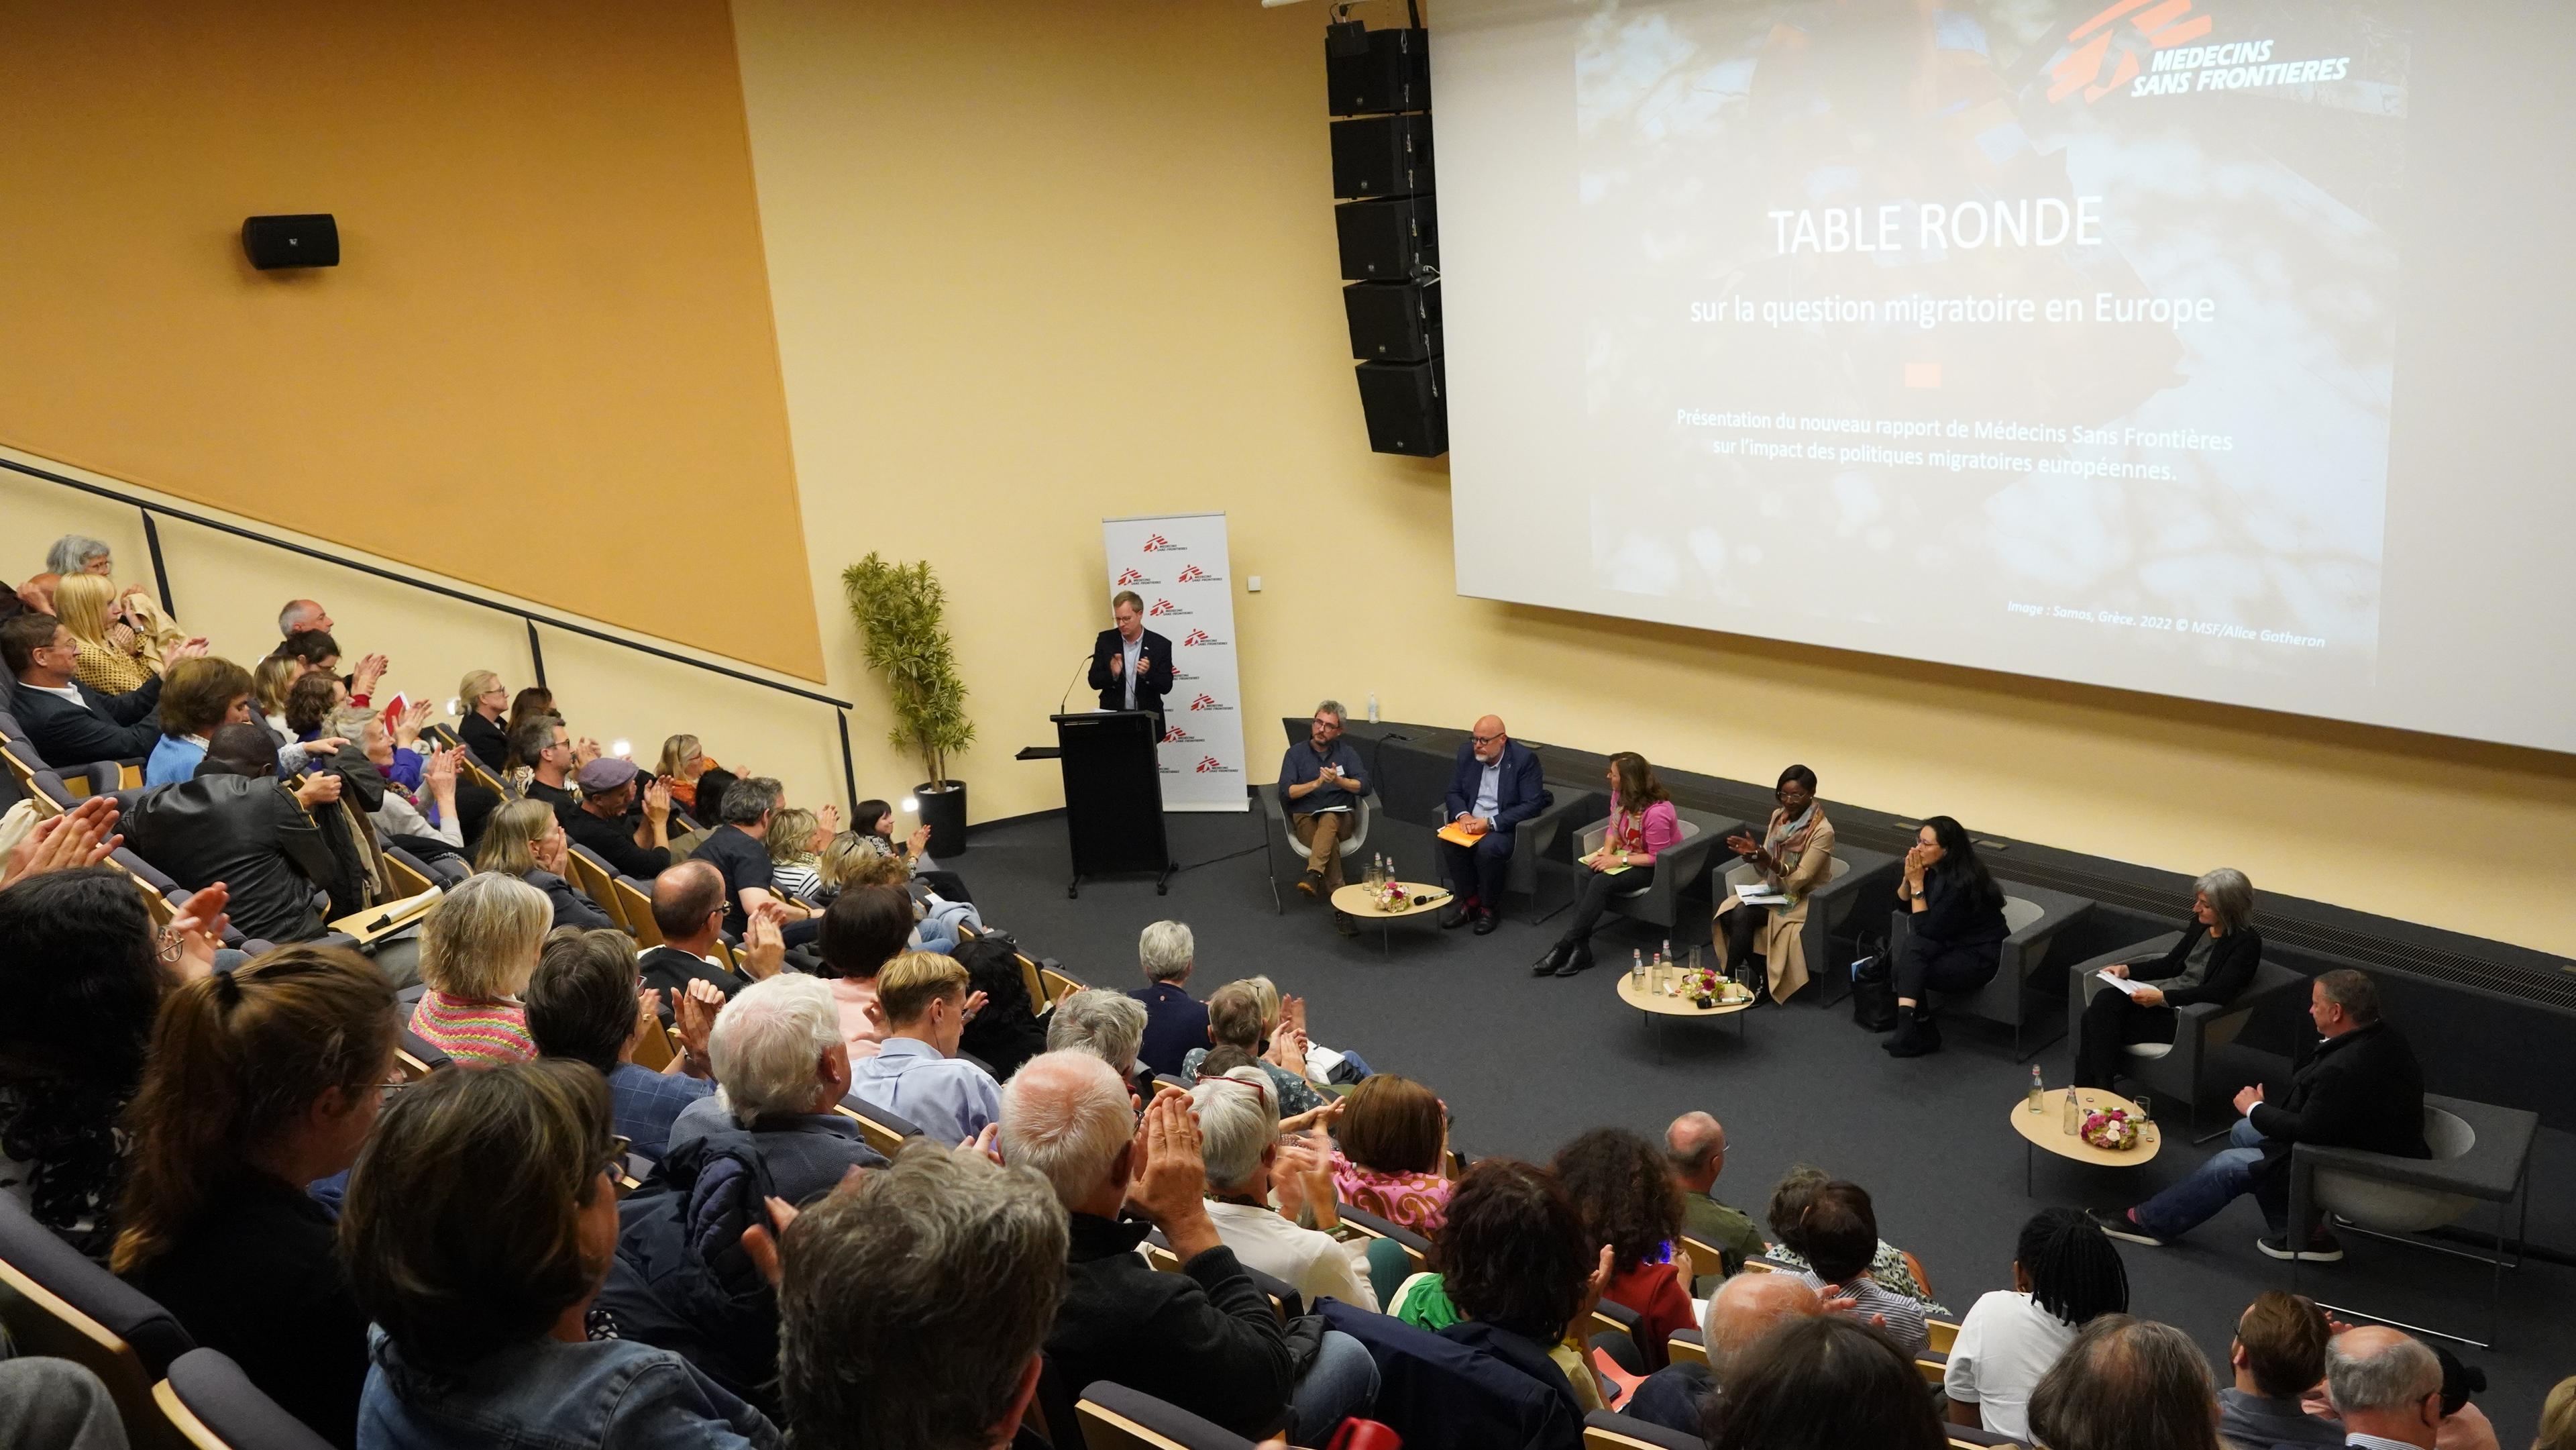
(1177, 564)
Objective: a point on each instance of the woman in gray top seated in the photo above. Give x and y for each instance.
(2213, 962)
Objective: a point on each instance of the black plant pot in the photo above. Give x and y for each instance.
(944, 812)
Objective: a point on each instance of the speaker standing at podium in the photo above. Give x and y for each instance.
(1131, 666)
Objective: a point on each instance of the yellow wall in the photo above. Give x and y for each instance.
(549, 329)
(1041, 262)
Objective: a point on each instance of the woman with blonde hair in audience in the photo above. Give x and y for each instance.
(524, 840)
(796, 839)
(201, 696)
(482, 1298)
(2558, 1418)
(79, 554)
(682, 762)
(478, 947)
(110, 655)
(271, 680)
(261, 1081)
(481, 701)
(1394, 1149)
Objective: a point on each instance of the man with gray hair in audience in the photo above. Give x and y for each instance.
(913, 1304)
(1745, 1308)
(1695, 1150)
(2387, 1387)
(1320, 789)
(1175, 1021)
(2127, 1384)
(1205, 1338)
(781, 1066)
(302, 615)
(1239, 1141)
(1108, 1025)
(737, 849)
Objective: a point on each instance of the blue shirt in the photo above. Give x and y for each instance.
(1489, 792)
(646, 1101)
(1302, 764)
(604, 1394)
(1131, 648)
(174, 760)
(948, 1098)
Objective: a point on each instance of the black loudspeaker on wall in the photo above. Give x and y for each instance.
(1391, 73)
(291, 241)
(1406, 412)
(1382, 156)
(1387, 239)
(1393, 321)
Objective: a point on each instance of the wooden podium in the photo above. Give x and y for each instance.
(1113, 795)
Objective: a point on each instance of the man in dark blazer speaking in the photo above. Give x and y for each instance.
(1131, 666)
(1494, 788)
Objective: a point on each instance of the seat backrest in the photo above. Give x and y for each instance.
(884, 1131)
(1059, 985)
(1115, 1417)
(2447, 1133)
(2019, 913)
(1415, 1246)
(1610, 1430)
(55, 1302)
(597, 882)
(214, 1406)
(1686, 1347)
(635, 907)
(1836, 868)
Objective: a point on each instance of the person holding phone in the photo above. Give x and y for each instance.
(1795, 855)
(2213, 962)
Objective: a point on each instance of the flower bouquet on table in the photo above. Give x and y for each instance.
(1390, 896)
(2113, 1131)
(1699, 986)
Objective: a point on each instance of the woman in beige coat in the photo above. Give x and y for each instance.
(1795, 855)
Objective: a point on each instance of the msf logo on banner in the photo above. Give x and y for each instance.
(1210, 765)
(1196, 575)
(1200, 636)
(1164, 607)
(2089, 66)
(1157, 544)
(1207, 702)
(1178, 736)
(1132, 577)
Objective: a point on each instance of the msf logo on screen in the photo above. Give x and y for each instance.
(1160, 545)
(1134, 577)
(1165, 606)
(1207, 702)
(2090, 68)
(1196, 575)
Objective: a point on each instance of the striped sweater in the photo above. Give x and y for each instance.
(473, 1033)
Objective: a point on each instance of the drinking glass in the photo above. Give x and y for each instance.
(2146, 1109)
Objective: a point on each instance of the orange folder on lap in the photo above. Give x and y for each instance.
(1458, 835)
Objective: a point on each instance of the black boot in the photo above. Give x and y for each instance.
(1553, 958)
(1580, 962)
(1915, 1035)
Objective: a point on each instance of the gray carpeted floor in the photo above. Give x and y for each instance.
(1526, 1063)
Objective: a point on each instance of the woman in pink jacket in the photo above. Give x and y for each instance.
(1643, 825)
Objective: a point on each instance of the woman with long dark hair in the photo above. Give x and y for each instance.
(1628, 1200)
(1955, 939)
(1643, 824)
(261, 1080)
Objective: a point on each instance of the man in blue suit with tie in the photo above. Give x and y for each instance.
(1494, 788)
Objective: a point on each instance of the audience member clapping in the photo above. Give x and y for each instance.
(1236, 1018)
(780, 1070)
(548, 755)
(419, 815)
(83, 973)
(525, 842)
(623, 819)
(1515, 1274)
(2127, 1384)
(915, 1302)
(310, 701)
(2278, 1355)
(1838, 1232)
(1175, 1021)
(1827, 1383)
(1745, 1308)
(1628, 1201)
(1108, 1025)
(1891, 1268)
(1394, 1152)
(738, 848)
(69, 723)
(478, 947)
(1239, 1141)
(682, 762)
(234, 822)
(584, 1004)
(923, 1002)
(480, 1221)
(199, 697)
(688, 909)
(85, 835)
(1204, 1339)
(2066, 1273)
(261, 1081)
(111, 655)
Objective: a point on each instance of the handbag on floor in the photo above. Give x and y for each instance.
(1873, 995)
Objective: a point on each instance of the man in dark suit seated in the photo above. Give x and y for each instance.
(235, 823)
(2357, 1085)
(1494, 788)
(1131, 666)
(69, 723)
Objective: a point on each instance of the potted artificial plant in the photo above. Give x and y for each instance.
(898, 609)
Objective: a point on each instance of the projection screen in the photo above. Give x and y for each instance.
(2213, 348)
